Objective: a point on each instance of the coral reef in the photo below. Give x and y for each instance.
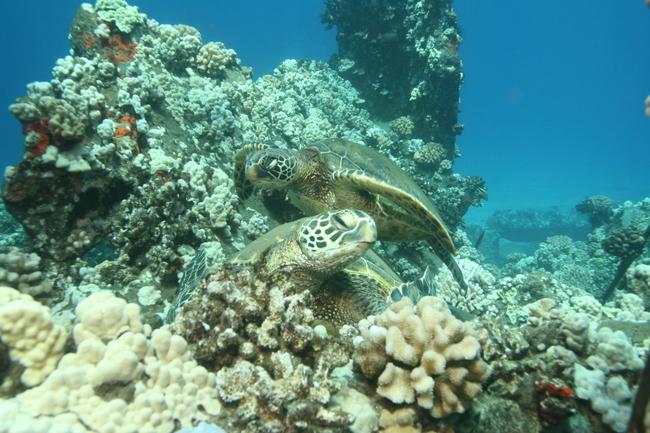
(403, 58)
(126, 176)
(574, 263)
(598, 208)
(565, 359)
(534, 225)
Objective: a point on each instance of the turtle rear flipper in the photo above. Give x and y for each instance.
(244, 187)
(425, 286)
(448, 259)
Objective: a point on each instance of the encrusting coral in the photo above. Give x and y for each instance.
(273, 359)
(421, 354)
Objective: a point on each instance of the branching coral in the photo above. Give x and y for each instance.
(421, 354)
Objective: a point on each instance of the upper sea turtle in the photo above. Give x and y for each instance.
(336, 174)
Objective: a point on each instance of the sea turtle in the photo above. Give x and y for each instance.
(346, 288)
(319, 253)
(337, 173)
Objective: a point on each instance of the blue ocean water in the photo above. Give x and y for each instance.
(552, 101)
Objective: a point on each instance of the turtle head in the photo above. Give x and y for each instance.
(334, 239)
(272, 168)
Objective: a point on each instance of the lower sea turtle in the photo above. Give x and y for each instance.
(328, 254)
(335, 174)
(318, 253)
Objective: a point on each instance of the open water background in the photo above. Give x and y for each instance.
(552, 101)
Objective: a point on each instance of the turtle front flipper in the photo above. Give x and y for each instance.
(367, 184)
(438, 235)
(243, 186)
(193, 273)
(349, 296)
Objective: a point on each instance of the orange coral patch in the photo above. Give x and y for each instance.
(41, 127)
(122, 132)
(120, 50)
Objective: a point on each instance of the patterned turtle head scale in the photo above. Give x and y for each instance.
(337, 236)
(272, 168)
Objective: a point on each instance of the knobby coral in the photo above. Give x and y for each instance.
(421, 354)
(122, 377)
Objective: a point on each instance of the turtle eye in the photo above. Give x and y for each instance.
(339, 221)
(272, 164)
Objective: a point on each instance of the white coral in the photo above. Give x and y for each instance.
(611, 397)
(118, 12)
(34, 341)
(120, 379)
(214, 58)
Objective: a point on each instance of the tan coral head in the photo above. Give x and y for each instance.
(334, 239)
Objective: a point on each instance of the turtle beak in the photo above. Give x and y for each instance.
(367, 231)
(254, 172)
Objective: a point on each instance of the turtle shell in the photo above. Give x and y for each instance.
(339, 153)
(400, 216)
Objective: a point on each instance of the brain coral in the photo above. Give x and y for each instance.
(421, 354)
